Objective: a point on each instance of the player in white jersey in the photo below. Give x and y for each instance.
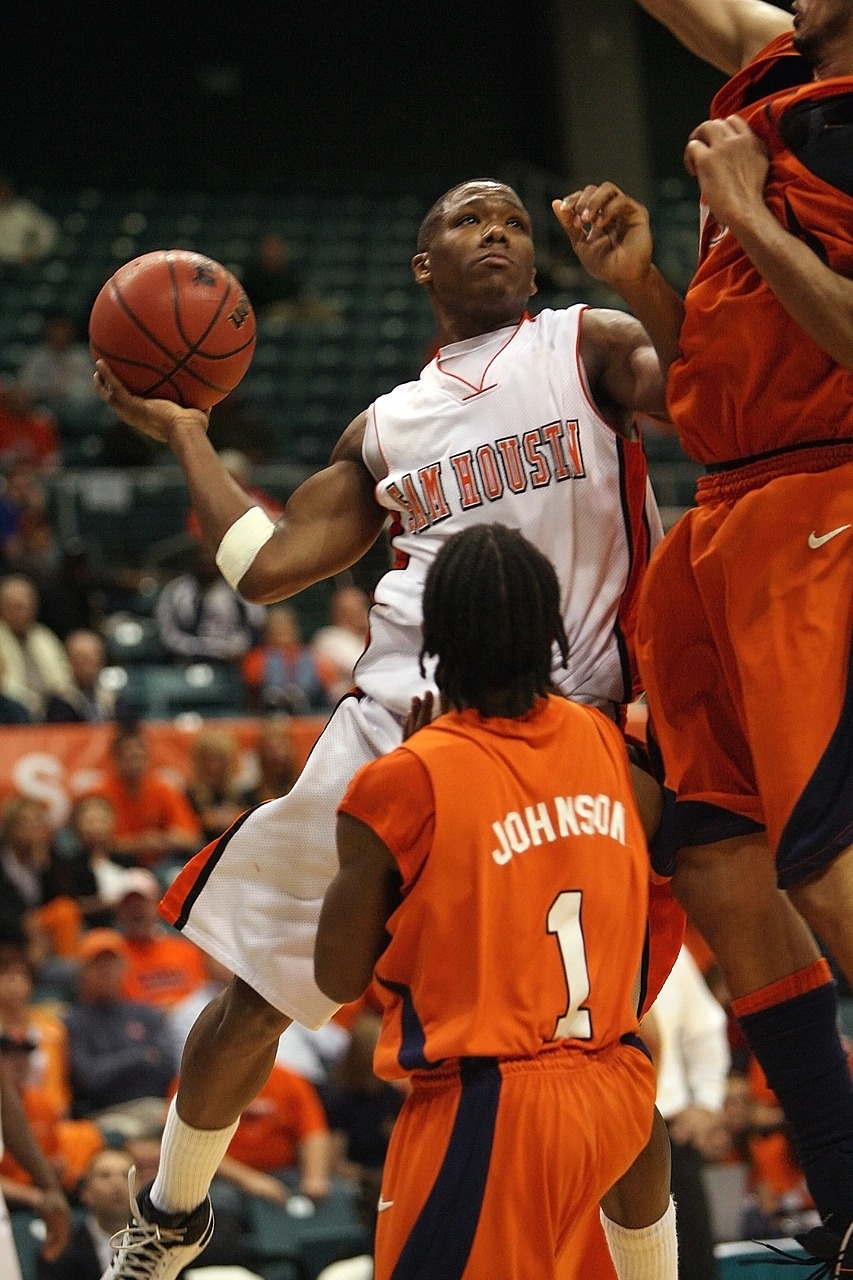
(528, 422)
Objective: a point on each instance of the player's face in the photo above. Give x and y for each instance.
(482, 258)
(819, 24)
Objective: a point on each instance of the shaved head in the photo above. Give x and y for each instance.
(456, 195)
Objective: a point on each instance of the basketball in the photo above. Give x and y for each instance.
(174, 325)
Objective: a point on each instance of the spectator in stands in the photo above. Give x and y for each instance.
(213, 788)
(27, 432)
(74, 594)
(33, 659)
(281, 673)
(67, 1144)
(23, 496)
(85, 699)
(11, 710)
(27, 233)
(161, 967)
(284, 1132)
(57, 372)
(103, 1196)
(122, 1061)
(94, 875)
(155, 825)
(52, 1207)
(313, 1054)
(276, 758)
(338, 646)
(275, 288)
(693, 1067)
(48, 1062)
(201, 619)
(361, 1108)
(33, 884)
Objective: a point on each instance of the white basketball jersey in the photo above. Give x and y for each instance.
(502, 429)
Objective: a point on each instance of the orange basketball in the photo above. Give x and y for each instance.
(174, 325)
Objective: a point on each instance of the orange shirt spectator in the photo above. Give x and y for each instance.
(162, 971)
(162, 968)
(47, 1064)
(154, 820)
(68, 1144)
(286, 1112)
(27, 433)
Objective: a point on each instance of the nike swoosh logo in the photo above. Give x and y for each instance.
(815, 541)
(383, 1205)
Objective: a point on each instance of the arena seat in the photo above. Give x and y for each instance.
(157, 691)
(332, 1232)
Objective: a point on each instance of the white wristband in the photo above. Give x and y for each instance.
(241, 544)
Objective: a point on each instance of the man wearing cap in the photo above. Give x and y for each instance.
(120, 1050)
(162, 967)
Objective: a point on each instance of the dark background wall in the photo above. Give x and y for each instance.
(340, 90)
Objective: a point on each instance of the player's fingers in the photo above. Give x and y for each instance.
(109, 386)
(693, 152)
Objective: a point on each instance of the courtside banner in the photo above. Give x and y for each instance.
(59, 763)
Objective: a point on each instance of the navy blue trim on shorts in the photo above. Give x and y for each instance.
(695, 822)
(821, 823)
(440, 1241)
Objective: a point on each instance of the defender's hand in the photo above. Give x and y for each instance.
(609, 232)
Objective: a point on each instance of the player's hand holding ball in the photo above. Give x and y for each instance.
(155, 418)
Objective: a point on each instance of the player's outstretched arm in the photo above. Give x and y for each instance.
(725, 33)
(327, 524)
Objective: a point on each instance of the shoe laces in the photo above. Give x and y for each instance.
(142, 1243)
(823, 1271)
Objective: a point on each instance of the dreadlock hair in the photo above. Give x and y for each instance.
(432, 220)
(491, 616)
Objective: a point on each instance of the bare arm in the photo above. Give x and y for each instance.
(725, 33)
(625, 357)
(351, 932)
(315, 1163)
(21, 1144)
(731, 165)
(327, 524)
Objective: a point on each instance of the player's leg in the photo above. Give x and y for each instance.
(785, 1000)
(638, 1215)
(227, 1060)
(825, 902)
(261, 924)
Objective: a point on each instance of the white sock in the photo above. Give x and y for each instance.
(188, 1160)
(645, 1253)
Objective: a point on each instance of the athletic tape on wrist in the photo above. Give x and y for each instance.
(241, 544)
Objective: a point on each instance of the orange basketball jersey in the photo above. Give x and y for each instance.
(525, 886)
(749, 379)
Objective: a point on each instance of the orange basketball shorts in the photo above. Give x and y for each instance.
(744, 647)
(492, 1162)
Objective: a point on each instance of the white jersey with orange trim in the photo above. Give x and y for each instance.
(509, 433)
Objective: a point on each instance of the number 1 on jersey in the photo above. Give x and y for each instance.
(564, 920)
